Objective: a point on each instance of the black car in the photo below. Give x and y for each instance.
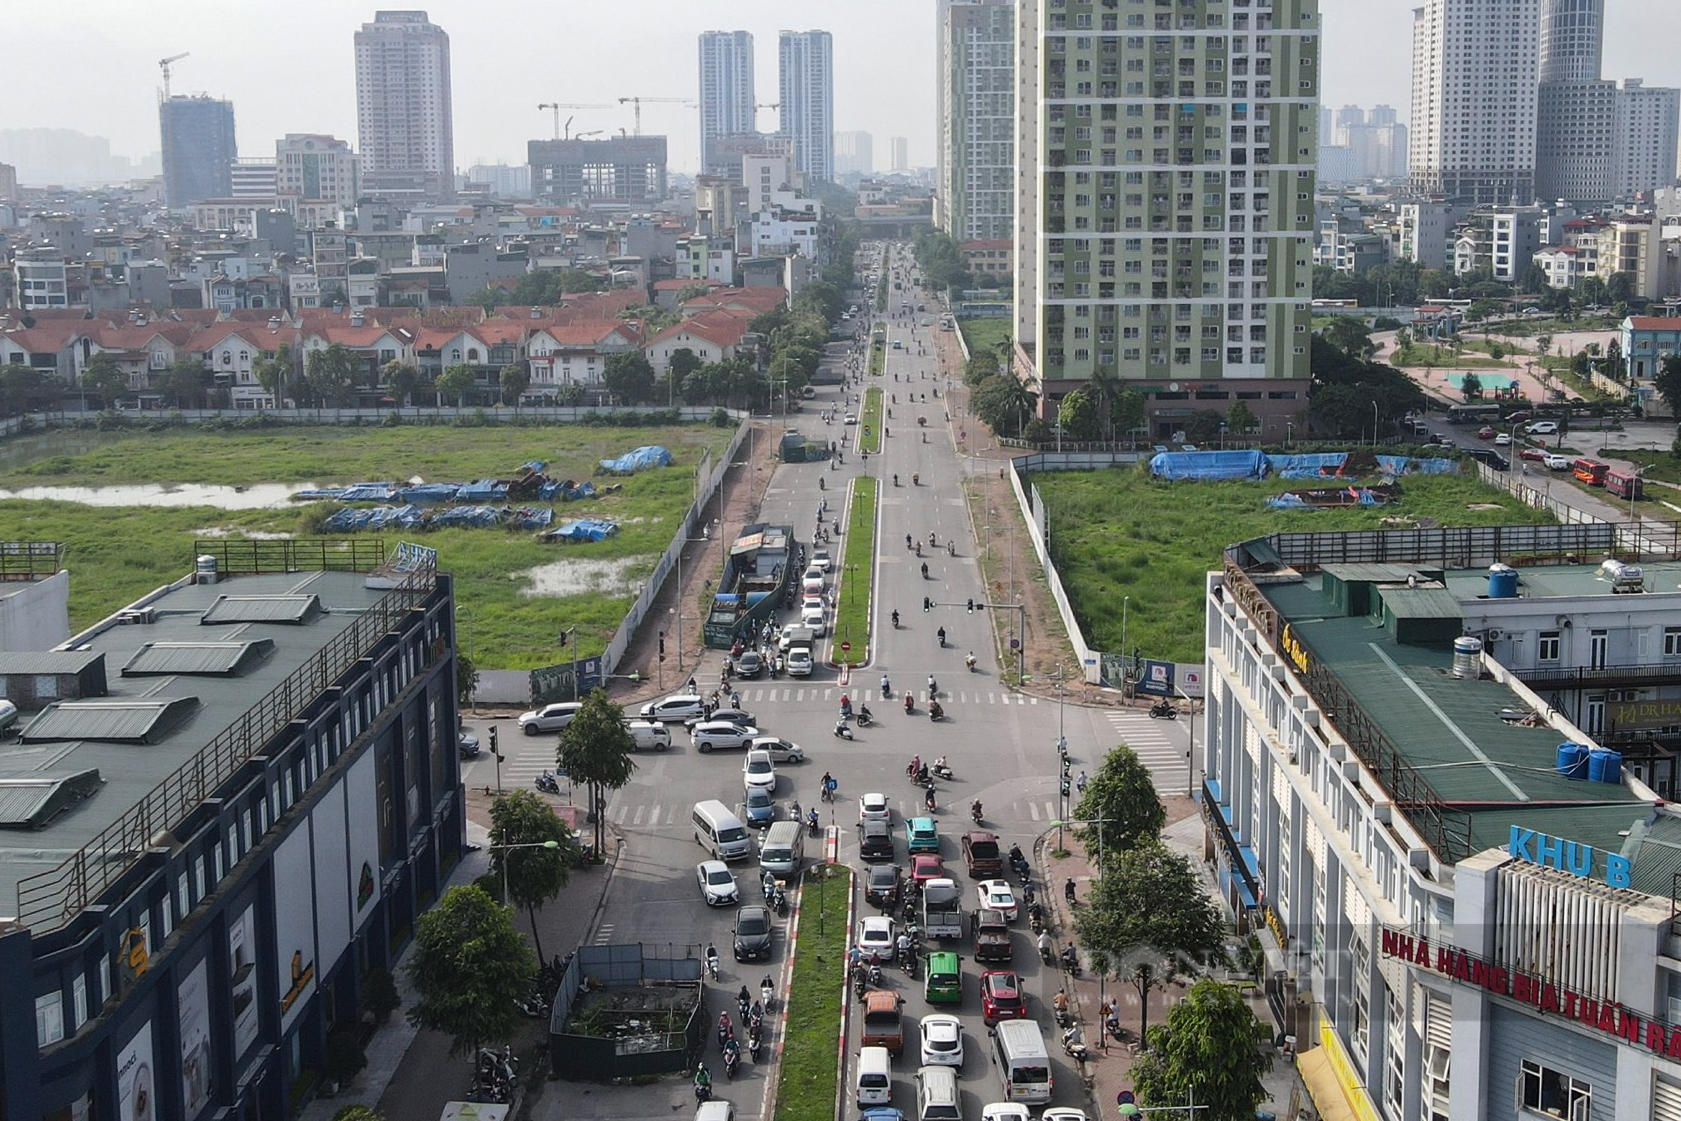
(875, 840)
(752, 933)
(881, 885)
(749, 664)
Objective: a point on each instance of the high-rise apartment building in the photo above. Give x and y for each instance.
(899, 149)
(1647, 121)
(806, 67)
(1165, 203)
(854, 153)
(975, 150)
(404, 115)
(1472, 132)
(198, 149)
(316, 167)
(726, 88)
(1571, 40)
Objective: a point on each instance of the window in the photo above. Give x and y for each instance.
(1555, 1093)
(1672, 642)
(49, 1018)
(1548, 648)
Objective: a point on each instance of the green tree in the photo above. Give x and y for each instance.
(1614, 365)
(629, 377)
(274, 373)
(1483, 309)
(513, 381)
(1150, 921)
(1128, 413)
(1351, 336)
(1534, 279)
(1103, 387)
(1210, 1050)
(469, 967)
(1004, 404)
(683, 362)
(1203, 426)
(1496, 351)
(1240, 418)
(1619, 289)
(1471, 386)
(982, 364)
(187, 380)
(104, 379)
(596, 749)
(1667, 381)
(1122, 798)
(358, 1113)
(534, 875)
(456, 382)
(400, 380)
(488, 298)
(1078, 416)
(1593, 291)
(466, 679)
(330, 375)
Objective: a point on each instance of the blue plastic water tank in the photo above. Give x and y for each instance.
(1605, 766)
(1573, 760)
(1502, 581)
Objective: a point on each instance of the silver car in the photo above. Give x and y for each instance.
(717, 883)
(722, 736)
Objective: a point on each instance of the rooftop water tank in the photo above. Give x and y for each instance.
(205, 570)
(1624, 577)
(1468, 657)
(1573, 760)
(1502, 581)
(1605, 766)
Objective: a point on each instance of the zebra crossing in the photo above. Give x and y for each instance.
(1161, 756)
(753, 694)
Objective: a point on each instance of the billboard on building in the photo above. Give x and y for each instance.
(364, 862)
(294, 926)
(136, 1099)
(328, 835)
(193, 1004)
(242, 978)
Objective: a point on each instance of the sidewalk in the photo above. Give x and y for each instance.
(1112, 1062)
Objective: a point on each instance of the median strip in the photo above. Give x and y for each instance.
(816, 995)
(870, 440)
(851, 636)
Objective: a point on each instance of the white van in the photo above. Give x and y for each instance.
(783, 848)
(649, 735)
(1024, 1066)
(875, 1076)
(936, 1094)
(720, 831)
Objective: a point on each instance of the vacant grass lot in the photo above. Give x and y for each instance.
(983, 334)
(1119, 534)
(510, 617)
(812, 1011)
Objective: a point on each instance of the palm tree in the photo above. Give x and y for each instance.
(1006, 348)
(1020, 400)
(1104, 388)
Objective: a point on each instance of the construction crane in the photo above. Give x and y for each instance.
(557, 106)
(636, 103)
(163, 64)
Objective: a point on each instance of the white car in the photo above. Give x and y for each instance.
(717, 883)
(779, 750)
(820, 560)
(815, 618)
(683, 706)
(1557, 462)
(874, 807)
(721, 735)
(875, 936)
(1015, 1111)
(1542, 428)
(996, 895)
(852, 418)
(1504, 439)
(812, 581)
(942, 1041)
(1060, 1113)
(549, 718)
(799, 662)
(758, 770)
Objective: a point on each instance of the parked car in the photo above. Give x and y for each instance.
(926, 866)
(721, 735)
(779, 750)
(1486, 433)
(1502, 439)
(1539, 455)
(467, 744)
(1557, 462)
(921, 835)
(818, 620)
(1513, 418)
(727, 716)
(549, 718)
(717, 883)
(820, 559)
(683, 706)
(812, 581)
(799, 662)
(752, 933)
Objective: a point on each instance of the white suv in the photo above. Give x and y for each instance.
(684, 706)
(549, 718)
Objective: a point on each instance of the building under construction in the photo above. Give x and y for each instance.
(628, 169)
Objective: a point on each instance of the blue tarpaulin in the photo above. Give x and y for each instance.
(584, 529)
(638, 459)
(1244, 464)
(1335, 465)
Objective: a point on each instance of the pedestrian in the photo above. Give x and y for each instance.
(1068, 893)
(1080, 783)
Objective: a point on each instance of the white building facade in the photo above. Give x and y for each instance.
(726, 87)
(405, 122)
(975, 151)
(318, 168)
(807, 70)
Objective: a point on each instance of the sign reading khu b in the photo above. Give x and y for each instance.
(1567, 856)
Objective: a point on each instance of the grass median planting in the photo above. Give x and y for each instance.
(515, 593)
(870, 438)
(1120, 535)
(810, 1055)
(852, 612)
(878, 355)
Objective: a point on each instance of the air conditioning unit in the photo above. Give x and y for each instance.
(138, 615)
(1495, 635)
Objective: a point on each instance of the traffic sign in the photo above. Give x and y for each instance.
(1015, 644)
(846, 647)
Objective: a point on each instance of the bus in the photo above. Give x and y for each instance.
(1473, 414)
(1624, 484)
(1590, 471)
(1018, 1050)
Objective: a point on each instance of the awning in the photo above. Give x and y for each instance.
(1244, 895)
(1323, 1087)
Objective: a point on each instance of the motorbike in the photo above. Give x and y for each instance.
(860, 983)
(941, 635)
(547, 783)
(766, 992)
(1072, 1046)
(933, 542)
(1162, 710)
(820, 485)
(1036, 919)
(933, 687)
(1071, 962)
(875, 974)
(864, 718)
(755, 1020)
(1045, 952)
(928, 799)
(712, 964)
(779, 899)
(935, 712)
(910, 704)
(886, 686)
(975, 813)
(755, 1043)
(951, 548)
(703, 1084)
(725, 1031)
(920, 777)
(942, 771)
(916, 477)
(917, 548)
(843, 730)
(732, 1058)
(895, 620)
(969, 660)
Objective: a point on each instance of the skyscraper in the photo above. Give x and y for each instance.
(854, 153)
(975, 150)
(404, 115)
(198, 149)
(1472, 133)
(1571, 36)
(806, 67)
(726, 88)
(1165, 205)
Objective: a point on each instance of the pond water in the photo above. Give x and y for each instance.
(262, 496)
(575, 576)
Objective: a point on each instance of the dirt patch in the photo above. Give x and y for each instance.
(575, 576)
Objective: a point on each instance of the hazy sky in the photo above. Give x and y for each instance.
(91, 65)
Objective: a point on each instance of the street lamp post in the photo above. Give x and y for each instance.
(504, 849)
(1126, 674)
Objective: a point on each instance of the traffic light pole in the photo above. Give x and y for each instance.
(1017, 625)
